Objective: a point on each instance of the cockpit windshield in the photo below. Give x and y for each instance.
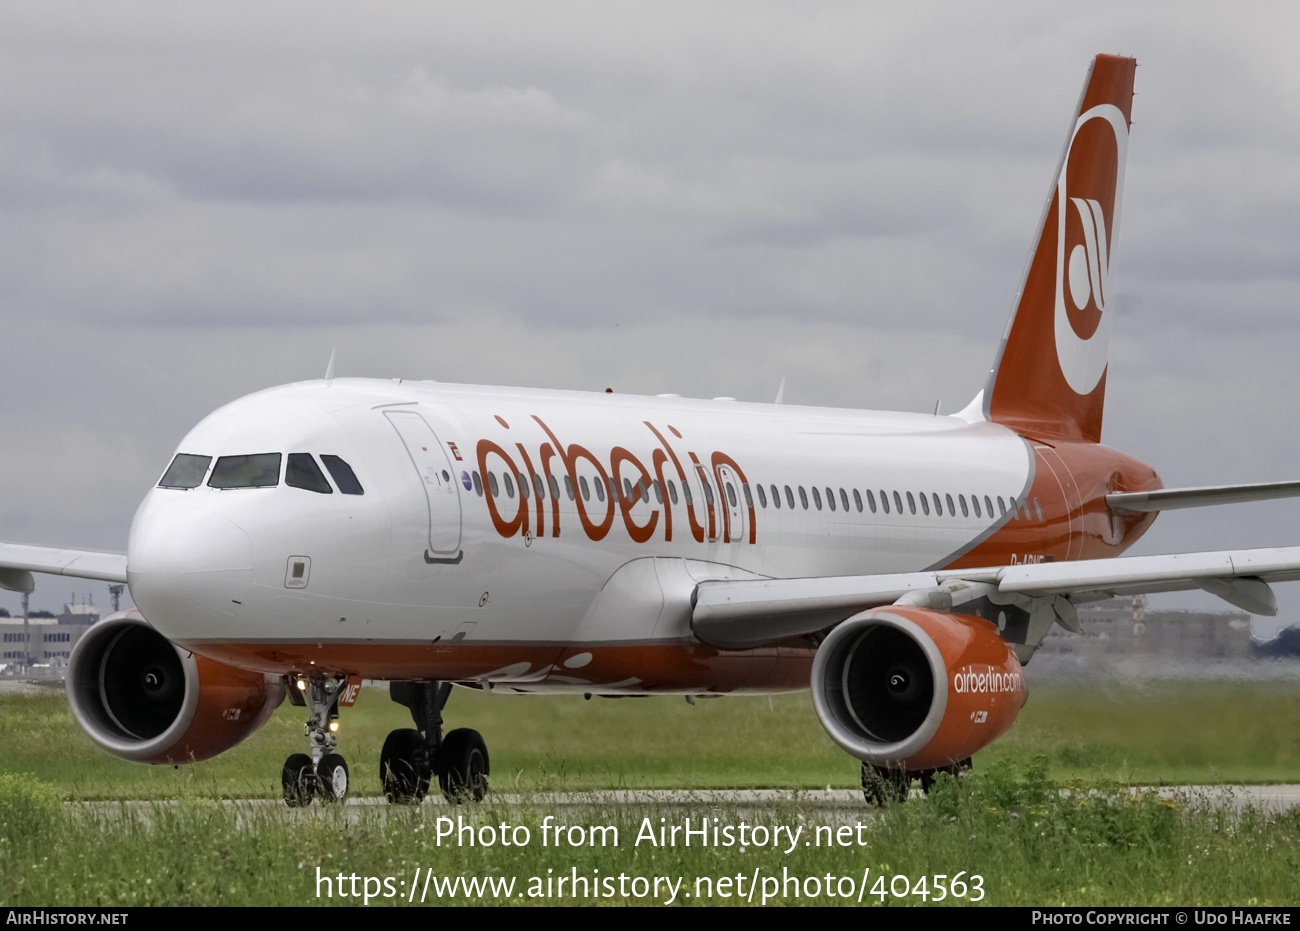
(186, 471)
(261, 470)
(344, 477)
(303, 472)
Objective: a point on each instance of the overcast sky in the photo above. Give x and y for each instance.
(201, 200)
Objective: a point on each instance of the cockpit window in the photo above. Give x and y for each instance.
(186, 471)
(303, 472)
(261, 470)
(344, 477)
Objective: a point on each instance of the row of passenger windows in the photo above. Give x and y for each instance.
(925, 503)
(262, 470)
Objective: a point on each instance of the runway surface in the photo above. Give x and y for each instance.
(833, 806)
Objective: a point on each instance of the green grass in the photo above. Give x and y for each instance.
(1186, 732)
(1028, 843)
(1008, 822)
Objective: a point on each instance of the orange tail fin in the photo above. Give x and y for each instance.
(1049, 380)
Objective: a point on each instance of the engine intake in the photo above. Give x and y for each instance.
(142, 698)
(909, 688)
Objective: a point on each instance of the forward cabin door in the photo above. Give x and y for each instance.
(435, 470)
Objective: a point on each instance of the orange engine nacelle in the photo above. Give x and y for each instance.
(907, 688)
(143, 698)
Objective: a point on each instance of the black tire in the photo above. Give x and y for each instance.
(463, 766)
(404, 767)
(332, 778)
(298, 780)
(881, 786)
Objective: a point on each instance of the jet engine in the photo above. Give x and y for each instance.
(145, 699)
(908, 688)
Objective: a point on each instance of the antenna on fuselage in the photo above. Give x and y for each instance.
(329, 366)
(780, 393)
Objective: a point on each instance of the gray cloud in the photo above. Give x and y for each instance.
(198, 201)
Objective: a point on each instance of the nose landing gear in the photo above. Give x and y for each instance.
(324, 773)
(411, 758)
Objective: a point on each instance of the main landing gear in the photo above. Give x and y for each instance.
(884, 786)
(324, 773)
(411, 758)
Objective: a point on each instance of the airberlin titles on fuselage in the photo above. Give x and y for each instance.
(621, 485)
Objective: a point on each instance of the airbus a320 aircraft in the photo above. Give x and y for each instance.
(903, 566)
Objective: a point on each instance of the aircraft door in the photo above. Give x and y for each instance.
(441, 494)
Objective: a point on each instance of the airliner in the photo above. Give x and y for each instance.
(903, 567)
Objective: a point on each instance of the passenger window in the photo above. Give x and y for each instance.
(817, 497)
(686, 493)
(965, 512)
(568, 487)
(844, 500)
(600, 489)
(911, 503)
(789, 498)
(523, 485)
(492, 485)
(749, 499)
(343, 475)
(1002, 507)
(871, 501)
(186, 471)
(672, 491)
(898, 504)
(762, 496)
(708, 493)
(659, 492)
(776, 496)
(510, 485)
(988, 506)
(952, 511)
(257, 471)
(303, 472)
(857, 500)
(731, 494)
(1038, 508)
(925, 505)
(584, 488)
(478, 485)
(803, 498)
(554, 484)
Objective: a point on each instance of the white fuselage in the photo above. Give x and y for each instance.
(428, 556)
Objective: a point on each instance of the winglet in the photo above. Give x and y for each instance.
(329, 366)
(1049, 380)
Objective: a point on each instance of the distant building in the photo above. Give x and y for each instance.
(1125, 627)
(51, 638)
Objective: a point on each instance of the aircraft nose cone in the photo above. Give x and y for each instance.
(188, 571)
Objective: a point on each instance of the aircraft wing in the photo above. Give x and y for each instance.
(739, 614)
(18, 561)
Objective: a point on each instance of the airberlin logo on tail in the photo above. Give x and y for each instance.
(1083, 242)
